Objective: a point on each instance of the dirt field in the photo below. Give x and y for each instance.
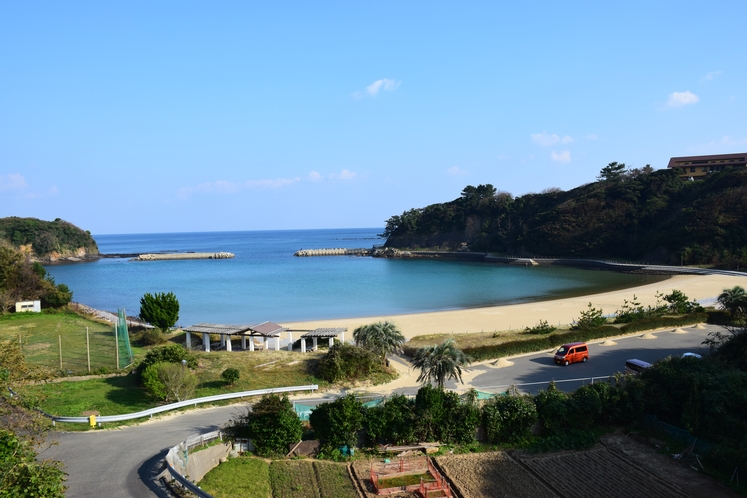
(617, 467)
(491, 475)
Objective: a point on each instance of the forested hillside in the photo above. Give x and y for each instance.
(47, 240)
(638, 214)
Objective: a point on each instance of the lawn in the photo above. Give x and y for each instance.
(240, 478)
(40, 335)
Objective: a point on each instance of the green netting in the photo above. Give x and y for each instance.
(699, 446)
(125, 357)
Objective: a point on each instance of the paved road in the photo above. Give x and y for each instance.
(116, 463)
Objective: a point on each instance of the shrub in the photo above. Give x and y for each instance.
(348, 362)
(160, 309)
(392, 421)
(590, 318)
(272, 424)
(508, 418)
(173, 353)
(152, 337)
(553, 410)
(541, 328)
(441, 416)
(230, 375)
(656, 322)
(169, 381)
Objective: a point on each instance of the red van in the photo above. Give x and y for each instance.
(572, 353)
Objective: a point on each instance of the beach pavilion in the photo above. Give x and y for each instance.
(264, 330)
(330, 333)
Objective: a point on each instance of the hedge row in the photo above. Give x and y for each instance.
(664, 321)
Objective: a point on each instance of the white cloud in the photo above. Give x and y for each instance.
(314, 176)
(372, 90)
(12, 181)
(679, 99)
(564, 156)
(546, 140)
(456, 171)
(343, 175)
(710, 76)
(591, 136)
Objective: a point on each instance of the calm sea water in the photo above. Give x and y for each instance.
(266, 282)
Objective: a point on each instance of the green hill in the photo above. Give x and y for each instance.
(638, 215)
(48, 240)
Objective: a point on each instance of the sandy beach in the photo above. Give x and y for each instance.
(704, 288)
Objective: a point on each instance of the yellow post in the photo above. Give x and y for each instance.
(92, 420)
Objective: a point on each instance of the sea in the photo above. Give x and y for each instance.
(265, 282)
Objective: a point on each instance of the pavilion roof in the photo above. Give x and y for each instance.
(264, 329)
(324, 332)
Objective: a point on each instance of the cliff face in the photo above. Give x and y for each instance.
(48, 241)
(653, 217)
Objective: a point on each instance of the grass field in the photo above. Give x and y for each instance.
(253, 478)
(240, 478)
(40, 335)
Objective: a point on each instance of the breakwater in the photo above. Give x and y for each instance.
(183, 255)
(334, 252)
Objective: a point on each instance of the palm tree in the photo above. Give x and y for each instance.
(381, 338)
(440, 363)
(734, 300)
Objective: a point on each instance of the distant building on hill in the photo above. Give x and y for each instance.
(697, 167)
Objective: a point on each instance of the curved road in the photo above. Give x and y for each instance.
(117, 463)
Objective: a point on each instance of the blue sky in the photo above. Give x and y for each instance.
(129, 117)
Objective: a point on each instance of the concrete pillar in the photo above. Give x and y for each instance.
(206, 342)
(342, 337)
(228, 343)
(267, 343)
(251, 343)
(290, 341)
(277, 343)
(188, 341)
(303, 345)
(315, 346)
(223, 340)
(331, 341)
(243, 342)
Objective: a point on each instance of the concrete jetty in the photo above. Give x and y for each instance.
(334, 252)
(183, 255)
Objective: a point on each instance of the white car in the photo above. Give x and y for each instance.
(691, 355)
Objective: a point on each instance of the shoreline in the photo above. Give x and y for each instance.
(703, 288)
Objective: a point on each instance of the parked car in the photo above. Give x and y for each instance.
(635, 367)
(691, 355)
(572, 353)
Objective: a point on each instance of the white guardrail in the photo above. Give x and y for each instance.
(173, 406)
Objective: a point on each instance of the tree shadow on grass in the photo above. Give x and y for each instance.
(128, 393)
(213, 384)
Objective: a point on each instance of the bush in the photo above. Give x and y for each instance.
(152, 337)
(553, 410)
(173, 353)
(348, 362)
(272, 424)
(541, 328)
(230, 375)
(160, 309)
(441, 416)
(508, 418)
(392, 421)
(656, 322)
(169, 382)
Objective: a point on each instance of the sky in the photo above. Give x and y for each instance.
(149, 117)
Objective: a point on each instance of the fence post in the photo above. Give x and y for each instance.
(88, 351)
(59, 343)
(116, 345)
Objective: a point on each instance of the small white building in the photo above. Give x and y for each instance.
(30, 306)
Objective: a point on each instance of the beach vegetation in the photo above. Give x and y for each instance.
(271, 423)
(160, 309)
(381, 338)
(349, 363)
(734, 301)
(590, 318)
(440, 363)
(541, 328)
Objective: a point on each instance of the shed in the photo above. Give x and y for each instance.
(32, 306)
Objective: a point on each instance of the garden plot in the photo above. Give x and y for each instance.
(491, 475)
(597, 472)
(307, 479)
